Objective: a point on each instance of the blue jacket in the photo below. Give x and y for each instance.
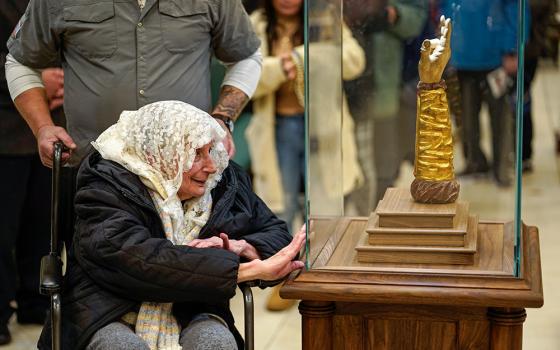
(483, 31)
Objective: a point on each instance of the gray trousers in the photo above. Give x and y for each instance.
(205, 332)
(475, 91)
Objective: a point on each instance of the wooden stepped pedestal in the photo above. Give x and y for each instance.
(398, 209)
(418, 254)
(403, 231)
(423, 236)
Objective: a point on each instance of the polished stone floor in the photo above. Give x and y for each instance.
(541, 207)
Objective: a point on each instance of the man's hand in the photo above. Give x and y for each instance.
(228, 140)
(46, 137)
(392, 14)
(212, 242)
(277, 266)
(33, 106)
(53, 79)
(509, 62)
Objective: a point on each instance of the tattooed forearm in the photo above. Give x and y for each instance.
(231, 102)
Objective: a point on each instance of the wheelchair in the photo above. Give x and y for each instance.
(62, 220)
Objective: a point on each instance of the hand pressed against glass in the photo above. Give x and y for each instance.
(194, 180)
(275, 267)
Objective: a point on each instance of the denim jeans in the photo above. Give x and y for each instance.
(290, 147)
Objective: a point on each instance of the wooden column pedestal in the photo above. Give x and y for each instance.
(317, 318)
(347, 304)
(507, 328)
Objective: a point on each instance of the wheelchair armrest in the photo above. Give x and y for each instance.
(51, 274)
(250, 284)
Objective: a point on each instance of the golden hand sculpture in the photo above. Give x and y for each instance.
(433, 165)
(435, 53)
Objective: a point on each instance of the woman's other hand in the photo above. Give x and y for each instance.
(212, 242)
(239, 247)
(288, 66)
(277, 266)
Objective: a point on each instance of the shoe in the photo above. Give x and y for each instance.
(5, 336)
(503, 182)
(527, 166)
(474, 171)
(276, 303)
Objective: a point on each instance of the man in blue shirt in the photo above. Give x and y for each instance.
(484, 39)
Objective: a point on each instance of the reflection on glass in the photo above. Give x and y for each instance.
(325, 115)
(383, 99)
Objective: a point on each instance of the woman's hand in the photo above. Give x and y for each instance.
(277, 266)
(240, 247)
(288, 66)
(212, 242)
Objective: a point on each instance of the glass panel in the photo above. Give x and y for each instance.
(362, 77)
(324, 190)
(325, 96)
(522, 38)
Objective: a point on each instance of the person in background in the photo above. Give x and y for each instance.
(279, 174)
(276, 134)
(123, 55)
(484, 39)
(405, 20)
(25, 193)
(166, 227)
(541, 16)
(375, 98)
(410, 77)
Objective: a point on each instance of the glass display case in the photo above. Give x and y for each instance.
(363, 107)
(414, 235)
(414, 155)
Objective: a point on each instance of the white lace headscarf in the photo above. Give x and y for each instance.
(158, 143)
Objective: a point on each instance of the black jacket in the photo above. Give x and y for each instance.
(120, 256)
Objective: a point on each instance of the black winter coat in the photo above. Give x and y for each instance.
(121, 258)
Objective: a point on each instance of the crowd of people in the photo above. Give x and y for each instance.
(127, 88)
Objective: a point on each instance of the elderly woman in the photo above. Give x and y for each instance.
(165, 230)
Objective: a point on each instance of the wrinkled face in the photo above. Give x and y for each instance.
(194, 180)
(287, 8)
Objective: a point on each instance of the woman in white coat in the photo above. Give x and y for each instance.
(276, 133)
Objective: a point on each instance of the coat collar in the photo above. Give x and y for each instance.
(129, 184)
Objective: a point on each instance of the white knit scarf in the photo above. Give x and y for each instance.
(158, 143)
